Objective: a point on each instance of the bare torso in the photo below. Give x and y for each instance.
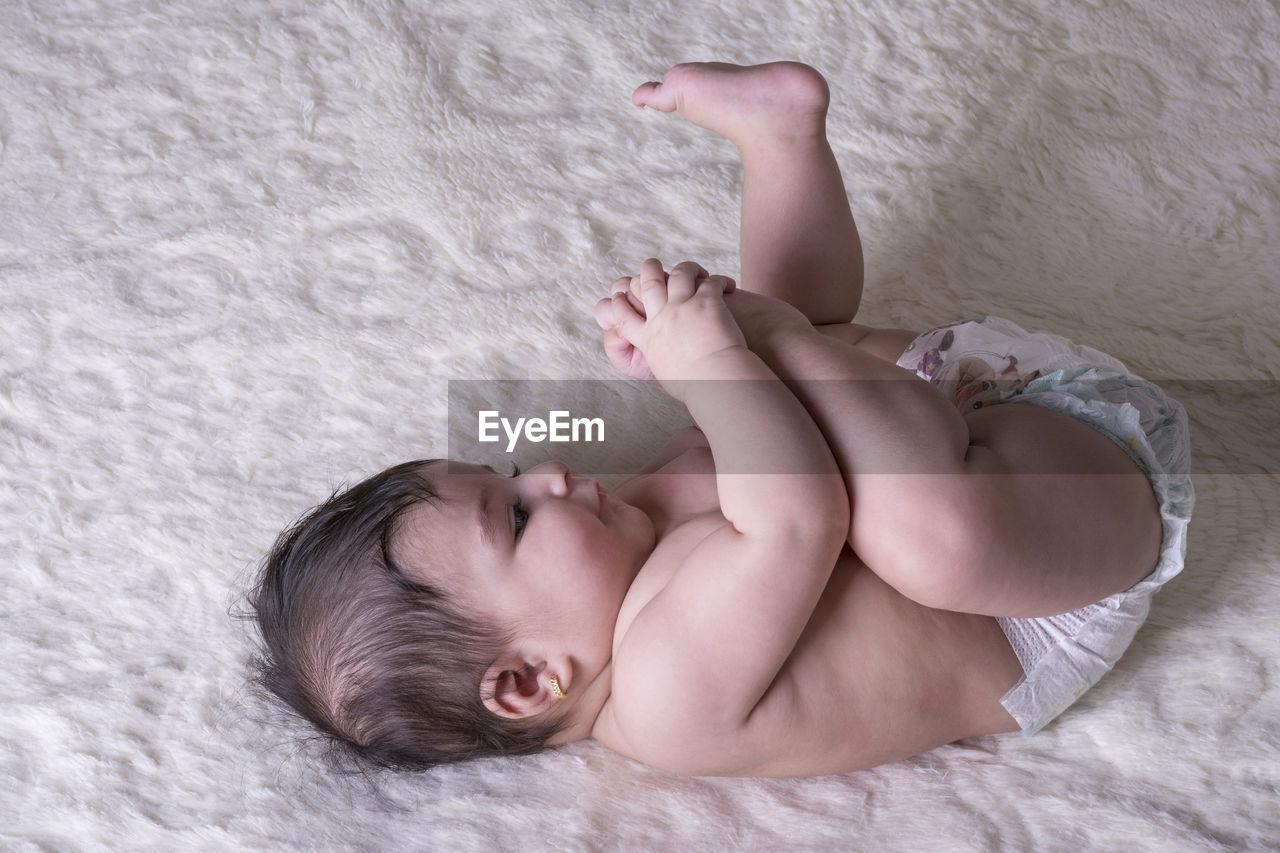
(875, 676)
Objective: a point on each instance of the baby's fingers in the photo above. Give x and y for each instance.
(684, 280)
(717, 284)
(653, 286)
(623, 285)
(625, 358)
(626, 320)
(603, 313)
(618, 350)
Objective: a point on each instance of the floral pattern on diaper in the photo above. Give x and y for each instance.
(933, 358)
(978, 378)
(974, 382)
(929, 363)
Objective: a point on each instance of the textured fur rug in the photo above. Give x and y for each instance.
(244, 246)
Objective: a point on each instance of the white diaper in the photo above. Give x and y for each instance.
(993, 361)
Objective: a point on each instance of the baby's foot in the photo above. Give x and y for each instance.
(780, 100)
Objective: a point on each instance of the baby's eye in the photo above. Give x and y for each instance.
(519, 518)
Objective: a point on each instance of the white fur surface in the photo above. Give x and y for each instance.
(244, 245)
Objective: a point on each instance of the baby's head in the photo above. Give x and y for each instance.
(419, 616)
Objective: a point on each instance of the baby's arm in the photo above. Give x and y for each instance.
(701, 655)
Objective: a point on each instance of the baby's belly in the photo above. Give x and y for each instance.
(876, 678)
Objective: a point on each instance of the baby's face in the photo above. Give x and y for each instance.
(546, 552)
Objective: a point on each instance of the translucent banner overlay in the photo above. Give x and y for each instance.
(612, 427)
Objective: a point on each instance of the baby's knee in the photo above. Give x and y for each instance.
(937, 555)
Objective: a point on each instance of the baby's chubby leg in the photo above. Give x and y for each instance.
(798, 238)
(977, 517)
(1015, 510)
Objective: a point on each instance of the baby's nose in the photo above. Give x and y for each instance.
(558, 477)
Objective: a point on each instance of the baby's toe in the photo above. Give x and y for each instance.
(654, 96)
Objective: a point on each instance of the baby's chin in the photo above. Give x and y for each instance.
(639, 520)
(634, 527)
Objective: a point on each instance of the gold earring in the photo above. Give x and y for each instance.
(555, 688)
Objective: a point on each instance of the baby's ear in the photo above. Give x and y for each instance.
(517, 691)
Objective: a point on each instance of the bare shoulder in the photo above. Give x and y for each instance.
(687, 694)
(657, 715)
(886, 344)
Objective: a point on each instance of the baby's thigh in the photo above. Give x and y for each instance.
(1079, 517)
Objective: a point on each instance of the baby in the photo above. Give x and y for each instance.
(958, 537)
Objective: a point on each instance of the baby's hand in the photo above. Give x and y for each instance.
(628, 360)
(682, 319)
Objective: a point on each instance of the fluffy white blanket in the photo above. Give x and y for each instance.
(243, 247)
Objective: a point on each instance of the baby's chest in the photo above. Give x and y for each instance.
(661, 567)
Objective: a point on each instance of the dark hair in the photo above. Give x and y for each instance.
(388, 667)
